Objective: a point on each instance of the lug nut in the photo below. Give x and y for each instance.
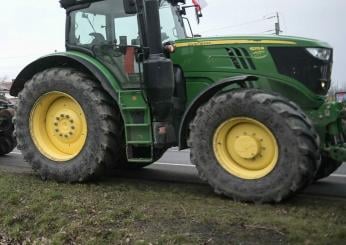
(57, 130)
(67, 116)
(66, 135)
(57, 118)
(71, 121)
(62, 115)
(60, 135)
(70, 133)
(73, 127)
(56, 124)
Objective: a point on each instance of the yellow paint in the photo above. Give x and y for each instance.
(245, 148)
(254, 49)
(58, 126)
(232, 42)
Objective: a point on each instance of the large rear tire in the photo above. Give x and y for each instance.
(67, 127)
(254, 146)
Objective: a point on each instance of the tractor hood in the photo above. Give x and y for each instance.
(252, 40)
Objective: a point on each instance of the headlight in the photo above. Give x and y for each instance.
(320, 53)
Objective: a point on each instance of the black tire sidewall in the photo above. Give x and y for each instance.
(286, 169)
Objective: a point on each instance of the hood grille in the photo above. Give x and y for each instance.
(241, 58)
(298, 64)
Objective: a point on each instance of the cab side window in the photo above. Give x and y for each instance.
(126, 31)
(90, 29)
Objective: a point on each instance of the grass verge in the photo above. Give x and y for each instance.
(130, 211)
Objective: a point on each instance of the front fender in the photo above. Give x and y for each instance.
(73, 59)
(202, 98)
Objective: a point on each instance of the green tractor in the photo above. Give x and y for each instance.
(132, 84)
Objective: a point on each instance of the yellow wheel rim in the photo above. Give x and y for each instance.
(58, 126)
(245, 148)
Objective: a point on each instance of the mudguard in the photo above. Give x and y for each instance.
(202, 98)
(76, 60)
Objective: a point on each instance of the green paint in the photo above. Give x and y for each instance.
(206, 61)
(212, 63)
(112, 80)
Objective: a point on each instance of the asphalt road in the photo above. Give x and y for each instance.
(175, 166)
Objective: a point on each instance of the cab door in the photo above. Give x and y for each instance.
(120, 54)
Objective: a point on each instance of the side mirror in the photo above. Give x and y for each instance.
(198, 14)
(175, 2)
(130, 6)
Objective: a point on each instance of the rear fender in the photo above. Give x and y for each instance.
(79, 61)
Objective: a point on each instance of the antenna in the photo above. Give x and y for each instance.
(277, 23)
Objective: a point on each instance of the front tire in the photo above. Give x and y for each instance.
(254, 146)
(67, 126)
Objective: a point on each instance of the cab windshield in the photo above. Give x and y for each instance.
(106, 22)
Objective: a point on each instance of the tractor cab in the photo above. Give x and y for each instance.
(117, 38)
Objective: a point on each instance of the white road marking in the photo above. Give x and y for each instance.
(16, 153)
(176, 150)
(175, 164)
(338, 175)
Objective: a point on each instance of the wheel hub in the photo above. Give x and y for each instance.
(245, 148)
(58, 126)
(66, 126)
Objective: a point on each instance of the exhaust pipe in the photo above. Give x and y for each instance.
(158, 70)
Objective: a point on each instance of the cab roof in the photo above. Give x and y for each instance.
(70, 3)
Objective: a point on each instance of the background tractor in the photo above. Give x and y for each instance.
(7, 140)
(340, 97)
(132, 84)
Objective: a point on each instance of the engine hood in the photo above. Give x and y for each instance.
(268, 40)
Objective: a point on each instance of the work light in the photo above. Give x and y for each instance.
(320, 53)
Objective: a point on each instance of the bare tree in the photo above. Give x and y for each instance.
(4, 79)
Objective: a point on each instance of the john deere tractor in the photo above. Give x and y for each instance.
(132, 84)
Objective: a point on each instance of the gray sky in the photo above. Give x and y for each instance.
(32, 28)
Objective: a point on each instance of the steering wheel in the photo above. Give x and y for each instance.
(98, 38)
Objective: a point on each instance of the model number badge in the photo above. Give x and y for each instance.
(258, 52)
